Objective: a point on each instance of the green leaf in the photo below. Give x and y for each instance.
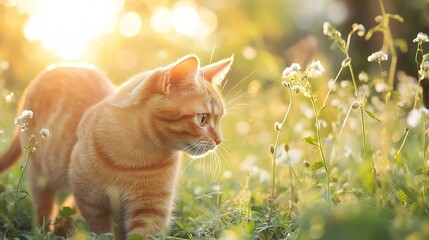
(105, 236)
(135, 236)
(250, 226)
(183, 227)
(67, 212)
(5, 218)
(24, 195)
(402, 195)
(371, 115)
(311, 140)
(317, 166)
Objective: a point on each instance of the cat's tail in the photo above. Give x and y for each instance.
(12, 154)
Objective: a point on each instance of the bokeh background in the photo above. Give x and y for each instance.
(125, 37)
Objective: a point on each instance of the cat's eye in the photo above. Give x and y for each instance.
(202, 119)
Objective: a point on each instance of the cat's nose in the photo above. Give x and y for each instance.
(218, 141)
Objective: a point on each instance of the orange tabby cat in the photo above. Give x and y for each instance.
(128, 142)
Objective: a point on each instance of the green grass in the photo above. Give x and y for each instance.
(362, 169)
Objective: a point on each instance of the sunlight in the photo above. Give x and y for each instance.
(185, 18)
(130, 24)
(160, 20)
(66, 27)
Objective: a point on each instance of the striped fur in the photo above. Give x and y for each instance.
(128, 142)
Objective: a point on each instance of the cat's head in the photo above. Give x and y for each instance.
(179, 105)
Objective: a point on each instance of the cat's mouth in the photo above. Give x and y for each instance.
(199, 149)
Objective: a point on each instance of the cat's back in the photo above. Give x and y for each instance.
(59, 97)
(81, 85)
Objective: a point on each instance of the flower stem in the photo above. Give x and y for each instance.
(274, 167)
(322, 153)
(416, 98)
(18, 185)
(330, 89)
(361, 113)
(389, 41)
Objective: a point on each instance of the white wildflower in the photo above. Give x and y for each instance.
(21, 120)
(363, 91)
(315, 70)
(264, 175)
(45, 132)
(322, 123)
(298, 89)
(359, 28)
(363, 76)
(291, 71)
(326, 28)
(292, 156)
(281, 155)
(17, 120)
(336, 102)
(421, 37)
(27, 114)
(1, 132)
(414, 117)
(425, 112)
(329, 30)
(378, 57)
(380, 86)
(227, 174)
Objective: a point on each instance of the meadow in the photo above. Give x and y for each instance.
(320, 151)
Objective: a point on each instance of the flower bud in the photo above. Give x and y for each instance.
(287, 147)
(359, 28)
(355, 105)
(271, 148)
(277, 126)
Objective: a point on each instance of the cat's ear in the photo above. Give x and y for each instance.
(183, 70)
(216, 72)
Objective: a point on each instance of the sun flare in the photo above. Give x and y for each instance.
(67, 26)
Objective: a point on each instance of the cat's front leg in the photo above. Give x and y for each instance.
(145, 220)
(97, 217)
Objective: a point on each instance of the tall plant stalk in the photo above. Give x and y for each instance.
(278, 127)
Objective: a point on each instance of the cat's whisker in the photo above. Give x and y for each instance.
(189, 165)
(241, 81)
(235, 98)
(212, 54)
(231, 109)
(218, 163)
(228, 98)
(212, 167)
(232, 103)
(225, 82)
(223, 149)
(211, 156)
